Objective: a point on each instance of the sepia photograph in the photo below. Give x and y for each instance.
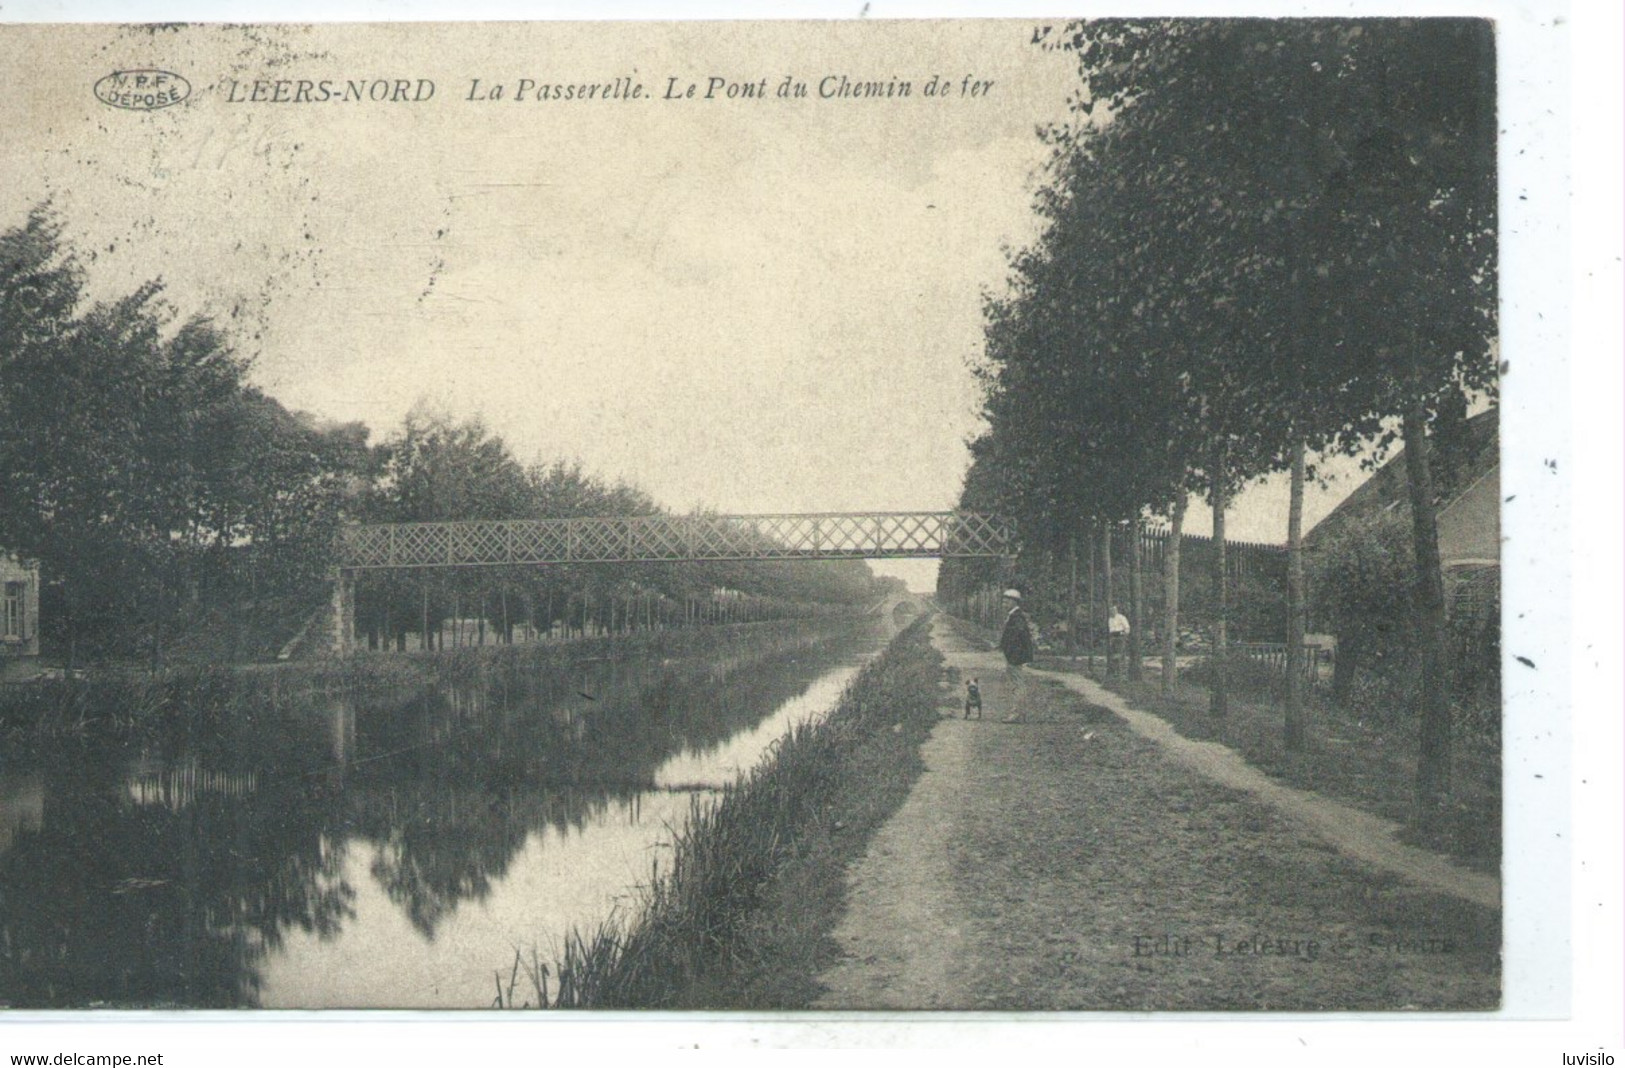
(970, 516)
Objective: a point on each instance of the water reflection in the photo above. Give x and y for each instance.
(382, 850)
(169, 902)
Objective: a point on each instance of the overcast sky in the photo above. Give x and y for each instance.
(749, 304)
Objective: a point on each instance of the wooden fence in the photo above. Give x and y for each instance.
(1317, 660)
(1242, 558)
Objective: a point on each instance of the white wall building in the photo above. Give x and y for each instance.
(19, 608)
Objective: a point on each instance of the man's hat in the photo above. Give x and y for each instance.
(1013, 594)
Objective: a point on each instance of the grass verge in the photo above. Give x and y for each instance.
(742, 919)
(1364, 759)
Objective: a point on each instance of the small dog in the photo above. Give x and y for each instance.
(973, 699)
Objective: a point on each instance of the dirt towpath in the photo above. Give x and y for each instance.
(1084, 860)
(1350, 830)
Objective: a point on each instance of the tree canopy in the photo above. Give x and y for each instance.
(1259, 238)
(137, 463)
(162, 492)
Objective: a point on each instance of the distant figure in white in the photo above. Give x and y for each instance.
(1018, 645)
(1117, 631)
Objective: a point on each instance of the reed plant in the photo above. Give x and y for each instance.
(698, 939)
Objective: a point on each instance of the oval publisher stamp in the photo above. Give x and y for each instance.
(142, 90)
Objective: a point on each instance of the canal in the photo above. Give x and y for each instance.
(390, 847)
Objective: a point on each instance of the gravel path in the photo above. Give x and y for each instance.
(1069, 862)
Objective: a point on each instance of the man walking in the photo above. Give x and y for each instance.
(1117, 632)
(1017, 645)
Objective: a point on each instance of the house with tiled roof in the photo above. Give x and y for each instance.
(1467, 483)
(1466, 468)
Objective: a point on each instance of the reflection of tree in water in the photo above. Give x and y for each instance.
(179, 900)
(438, 848)
(113, 901)
(477, 771)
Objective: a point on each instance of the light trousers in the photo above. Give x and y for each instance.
(1015, 678)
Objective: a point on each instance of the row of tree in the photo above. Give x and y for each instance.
(139, 466)
(170, 501)
(438, 468)
(1263, 241)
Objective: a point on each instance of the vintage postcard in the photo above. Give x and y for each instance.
(977, 515)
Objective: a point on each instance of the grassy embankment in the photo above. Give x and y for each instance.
(742, 918)
(1366, 757)
(123, 698)
(1363, 756)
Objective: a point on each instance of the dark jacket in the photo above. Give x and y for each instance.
(1016, 641)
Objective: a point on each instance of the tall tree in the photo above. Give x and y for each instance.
(1338, 176)
(132, 454)
(1261, 240)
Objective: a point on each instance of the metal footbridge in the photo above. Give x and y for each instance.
(656, 538)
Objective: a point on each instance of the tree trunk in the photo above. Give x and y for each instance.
(1170, 598)
(1091, 620)
(1294, 602)
(1433, 753)
(1345, 663)
(1219, 697)
(1136, 591)
(70, 601)
(1072, 596)
(157, 632)
(1106, 584)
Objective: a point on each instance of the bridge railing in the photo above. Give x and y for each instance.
(653, 538)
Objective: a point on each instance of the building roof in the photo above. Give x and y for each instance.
(1466, 473)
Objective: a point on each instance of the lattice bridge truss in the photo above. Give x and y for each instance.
(654, 538)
